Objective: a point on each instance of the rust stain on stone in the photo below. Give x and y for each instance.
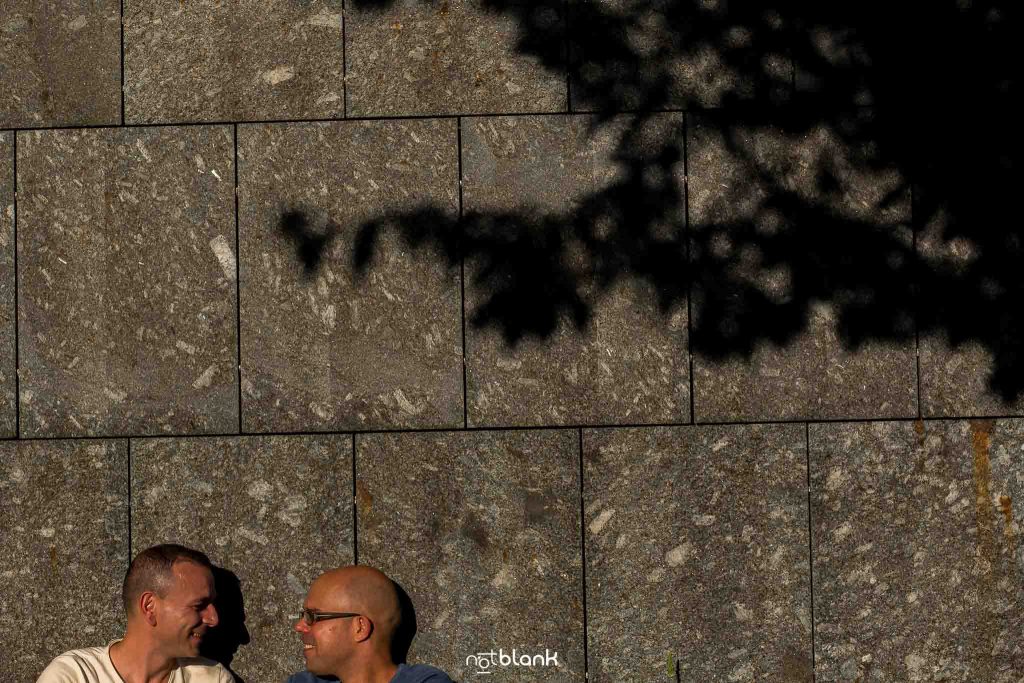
(53, 560)
(363, 497)
(1006, 507)
(985, 629)
(919, 430)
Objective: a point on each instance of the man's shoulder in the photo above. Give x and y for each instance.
(202, 670)
(420, 673)
(84, 664)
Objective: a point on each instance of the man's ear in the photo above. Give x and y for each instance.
(147, 607)
(364, 627)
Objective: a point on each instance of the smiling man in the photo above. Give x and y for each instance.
(168, 596)
(353, 626)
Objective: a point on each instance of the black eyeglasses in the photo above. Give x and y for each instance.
(311, 616)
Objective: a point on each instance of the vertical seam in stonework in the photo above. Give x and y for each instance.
(344, 62)
(238, 286)
(129, 502)
(689, 264)
(355, 509)
(17, 357)
(583, 560)
(914, 299)
(810, 540)
(122, 63)
(567, 47)
(462, 281)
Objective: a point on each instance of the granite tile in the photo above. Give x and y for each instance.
(490, 545)
(274, 511)
(60, 63)
(646, 55)
(216, 61)
(918, 561)
(970, 323)
(127, 281)
(324, 345)
(564, 324)
(697, 554)
(455, 57)
(8, 362)
(63, 550)
(802, 255)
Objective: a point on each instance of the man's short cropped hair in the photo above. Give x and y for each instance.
(152, 570)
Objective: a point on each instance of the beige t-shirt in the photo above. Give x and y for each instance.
(93, 665)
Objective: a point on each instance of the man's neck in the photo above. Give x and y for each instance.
(138, 661)
(369, 672)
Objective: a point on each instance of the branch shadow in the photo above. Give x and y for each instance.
(870, 158)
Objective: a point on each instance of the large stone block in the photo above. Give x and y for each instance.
(127, 274)
(482, 531)
(697, 554)
(455, 57)
(216, 61)
(642, 54)
(273, 511)
(918, 561)
(326, 345)
(569, 320)
(802, 252)
(60, 63)
(63, 551)
(8, 362)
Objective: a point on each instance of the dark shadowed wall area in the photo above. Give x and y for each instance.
(682, 338)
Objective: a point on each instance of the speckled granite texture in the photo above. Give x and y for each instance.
(644, 54)
(63, 550)
(760, 265)
(8, 398)
(696, 547)
(482, 531)
(60, 63)
(454, 57)
(274, 511)
(127, 272)
(216, 61)
(629, 364)
(330, 347)
(918, 560)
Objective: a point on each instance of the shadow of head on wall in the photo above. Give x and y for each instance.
(221, 643)
(855, 155)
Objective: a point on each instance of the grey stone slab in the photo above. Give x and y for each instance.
(60, 63)
(274, 511)
(238, 61)
(643, 55)
(63, 550)
(969, 318)
(697, 554)
(918, 561)
(532, 186)
(802, 305)
(8, 362)
(126, 247)
(482, 531)
(455, 57)
(332, 347)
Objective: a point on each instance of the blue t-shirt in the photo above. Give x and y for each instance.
(417, 673)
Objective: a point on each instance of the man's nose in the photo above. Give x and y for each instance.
(210, 616)
(300, 625)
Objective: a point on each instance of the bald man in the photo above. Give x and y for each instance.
(352, 625)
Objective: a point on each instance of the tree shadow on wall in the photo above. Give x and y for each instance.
(859, 154)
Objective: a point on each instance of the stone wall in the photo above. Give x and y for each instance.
(604, 333)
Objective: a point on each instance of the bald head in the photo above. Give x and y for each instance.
(365, 590)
